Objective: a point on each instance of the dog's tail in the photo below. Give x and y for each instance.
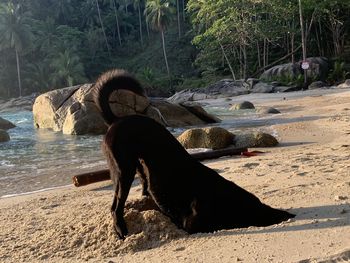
(107, 83)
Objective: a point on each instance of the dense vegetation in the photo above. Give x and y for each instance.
(171, 44)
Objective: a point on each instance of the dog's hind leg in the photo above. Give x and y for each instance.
(141, 171)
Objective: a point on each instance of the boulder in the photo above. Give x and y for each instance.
(73, 111)
(262, 87)
(344, 85)
(5, 124)
(319, 69)
(18, 104)
(317, 85)
(172, 115)
(243, 106)
(268, 110)
(251, 82)
(212, 137)
(256, 139)
(221, 89)
(283, 71)
(4, 136)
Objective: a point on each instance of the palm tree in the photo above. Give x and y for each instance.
(68, 70)
(46, 34)
(14, 32)
(158, 14)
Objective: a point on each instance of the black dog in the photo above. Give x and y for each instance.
(196, 198)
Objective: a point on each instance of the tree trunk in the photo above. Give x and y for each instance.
(147, 28)
(258, 54)
(140, 22)
(228, 62)
(103, 175)
(183, 10)
(102, 27)
(264, 53)
(117, 20)
(164, 52)
(244, 62)
(18, 74)
(178, 17)
(303, 42)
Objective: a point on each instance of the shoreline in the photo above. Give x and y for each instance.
(307, 174)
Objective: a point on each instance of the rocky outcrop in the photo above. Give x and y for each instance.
(4, 136)
(344, 85)
(212, 137)
(256, 139)
(73, 111)
(6, 125)
(318, 85)
(220, 89)
(18, 104)
(319, 68)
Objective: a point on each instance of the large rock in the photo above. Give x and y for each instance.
(172, 115)
(212, 137)
(319, 69)
(5, 124)
(220, 89)
(18, 104)
(256, 139)
(73, 111)
(4, 136)
(262, 87)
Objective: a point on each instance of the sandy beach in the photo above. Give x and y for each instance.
(308, 174)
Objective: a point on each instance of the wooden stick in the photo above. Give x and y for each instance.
(103, 175)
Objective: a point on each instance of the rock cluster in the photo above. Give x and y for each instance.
(73, 111)
(212, 137)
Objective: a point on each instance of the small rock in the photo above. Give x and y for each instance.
(340, 198)
(243, 106)
(317, 85)
(256, 139)
(212, 137)
(6, 125)
(268, 110)
(344, 85)
(4, 136)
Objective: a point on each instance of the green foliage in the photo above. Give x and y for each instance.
(48, 44)
(338, 73)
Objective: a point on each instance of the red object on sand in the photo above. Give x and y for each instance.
(250, 154)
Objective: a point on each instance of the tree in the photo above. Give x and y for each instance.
(14, 32)
(68, 69)
(158, 13)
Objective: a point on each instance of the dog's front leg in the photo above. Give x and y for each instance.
(120, 196)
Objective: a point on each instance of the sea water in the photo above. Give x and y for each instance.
(37, 159)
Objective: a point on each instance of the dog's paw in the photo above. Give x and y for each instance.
(120, 230)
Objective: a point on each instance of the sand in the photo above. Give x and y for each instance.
(308, 174)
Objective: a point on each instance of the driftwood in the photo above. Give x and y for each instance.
(103, 175)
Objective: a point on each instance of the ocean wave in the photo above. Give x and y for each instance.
(37, 191)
